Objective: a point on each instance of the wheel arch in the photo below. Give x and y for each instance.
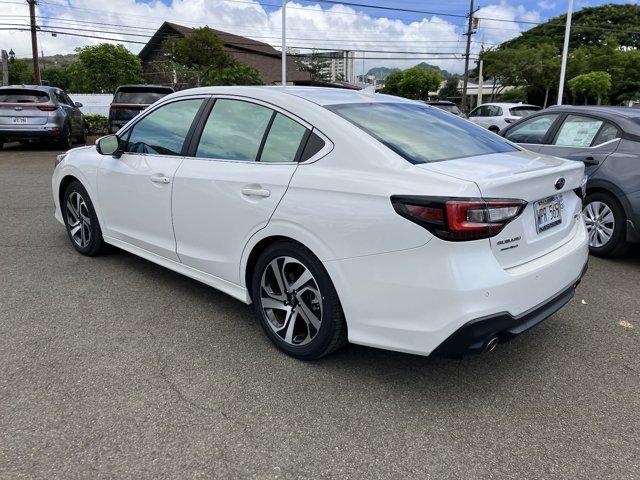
(64, 183)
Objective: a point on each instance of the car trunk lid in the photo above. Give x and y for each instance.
(546, 183)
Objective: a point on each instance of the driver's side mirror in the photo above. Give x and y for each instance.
(109, 145)
(77, 104)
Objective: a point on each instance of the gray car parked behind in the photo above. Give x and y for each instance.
(607, 140)
(33, 112)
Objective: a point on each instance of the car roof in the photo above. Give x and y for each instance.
(143, 85)
(318, 95)
(509, 105)
(626, 112)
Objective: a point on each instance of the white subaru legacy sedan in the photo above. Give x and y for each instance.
(340, 215)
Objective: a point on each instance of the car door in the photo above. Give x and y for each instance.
(230, 185)
(532, 132)
(494, 117)
(75, 114)
(134, 190)
(477, 114)
(586, 138)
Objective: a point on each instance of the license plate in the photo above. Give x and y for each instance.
(548, 213)
(19, 120)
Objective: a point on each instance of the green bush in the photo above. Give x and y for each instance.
(97, 124)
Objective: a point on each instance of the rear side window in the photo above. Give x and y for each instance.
(607, 133)
(314, 144)
(523, 111)
(532, 130)
(164, 130)
(283, 141)
(23, 96)
(421, 134)
(139, 96)
(234, 131)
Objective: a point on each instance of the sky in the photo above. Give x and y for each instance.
(434, 35)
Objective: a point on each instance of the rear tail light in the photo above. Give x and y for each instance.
(459, 219)
(47, 108)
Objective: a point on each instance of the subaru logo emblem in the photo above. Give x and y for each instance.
(17, 109)
(559, 183)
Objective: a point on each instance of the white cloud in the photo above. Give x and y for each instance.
(546, 5)
(339, 27)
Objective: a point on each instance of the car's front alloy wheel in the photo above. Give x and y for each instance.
(296, 302)
(81, 220)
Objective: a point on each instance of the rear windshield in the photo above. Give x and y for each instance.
(421, 134)
(523, 111)
(140, 96)
(448, 108)
(23, 96)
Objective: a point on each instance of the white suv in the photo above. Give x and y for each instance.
(496, 116)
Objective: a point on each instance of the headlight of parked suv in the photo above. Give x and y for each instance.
(60, 158)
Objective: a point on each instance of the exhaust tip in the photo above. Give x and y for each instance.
(491, 345)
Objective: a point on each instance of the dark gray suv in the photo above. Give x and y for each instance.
(32, 112)
(607, 140)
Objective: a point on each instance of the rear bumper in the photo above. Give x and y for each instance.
(475, 335)
(35, 132)
(414, 300)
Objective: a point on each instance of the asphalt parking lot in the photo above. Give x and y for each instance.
(113, 367)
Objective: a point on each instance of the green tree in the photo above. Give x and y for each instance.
(514, 95)
(101, 68)
(19, 72)
(391, 83)
(416, 83)
(56, 77)
(316, 65)
(450, 88)
(201, 50)
(236, 74)
(542, 70)
(589, 85)
(505, 67)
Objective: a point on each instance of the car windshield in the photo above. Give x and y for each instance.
(421, 134)
(139, 96)
(23, 96)
(523, 111)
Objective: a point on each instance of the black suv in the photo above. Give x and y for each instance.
(130, 100)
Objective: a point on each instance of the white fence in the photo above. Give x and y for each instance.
(93, 102)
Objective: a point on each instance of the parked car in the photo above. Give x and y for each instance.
(447, 106)
(496, 116)
(607, 141)
(130, 100)
(33, 112)
(339, 216)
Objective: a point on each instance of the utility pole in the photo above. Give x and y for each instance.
(4, 57)
(34, 43)
(465, 79)
(284, 43)
(565, 51)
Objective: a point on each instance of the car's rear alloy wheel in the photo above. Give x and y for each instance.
(605, 221)
(296, 302)
(81, 221)
(291, 300)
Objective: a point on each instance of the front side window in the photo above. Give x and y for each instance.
(477, 112)
(283, 141)
(577, 131)
(163, 131)
(532, 130)
(234, 131)
(494, 111)
(421, 134)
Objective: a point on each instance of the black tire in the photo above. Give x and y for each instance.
(66, 138)
(494, 129)
(617, 244)
(332, 333)
(1, 143)
(94, 244)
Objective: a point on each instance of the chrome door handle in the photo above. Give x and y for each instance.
(256, 192)
(160, 179)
